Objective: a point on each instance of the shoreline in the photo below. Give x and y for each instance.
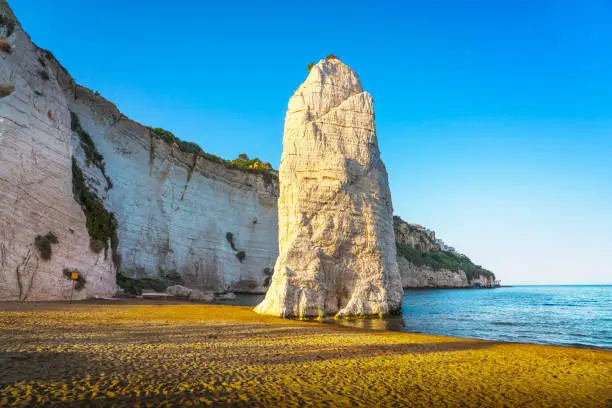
(128, 353)
(328, 321)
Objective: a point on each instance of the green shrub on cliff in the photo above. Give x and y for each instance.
(101, 224)
(92, 154)
(242, 162)
(9, 22)
(250, 164)
(443, 260)
(43, 244)
(168, 137)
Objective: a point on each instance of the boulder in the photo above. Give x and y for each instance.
(191, 294)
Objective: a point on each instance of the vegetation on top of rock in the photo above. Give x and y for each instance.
(443, 260)
(168, 137)
(49, 56)
(242, 162)
(89, 147)
(251, 164)
(101, 224)
(332, 56)
(9, 22)
(423, 250)
(43, 244)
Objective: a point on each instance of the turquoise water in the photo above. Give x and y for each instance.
(561, 315)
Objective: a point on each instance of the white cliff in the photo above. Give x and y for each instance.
(36, 195)
(336, 240)
(189, 216)
(423, 276)
(423, 264)
(175, 209)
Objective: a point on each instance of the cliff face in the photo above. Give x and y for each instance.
(423, 264)
(337, 248)
(406, 234)
(169, 212)
(414, 276)
(177, 213)
(36, 197)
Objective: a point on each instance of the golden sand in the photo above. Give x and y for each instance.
(175, 354)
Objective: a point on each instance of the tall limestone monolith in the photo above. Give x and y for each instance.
(336, 240)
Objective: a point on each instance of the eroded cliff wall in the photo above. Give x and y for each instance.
(213, 226)
(424, 264)
(36, 198)
(176, 210)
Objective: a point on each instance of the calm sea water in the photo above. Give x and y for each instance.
(562, 315)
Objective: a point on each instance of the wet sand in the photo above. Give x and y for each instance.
(148, 353)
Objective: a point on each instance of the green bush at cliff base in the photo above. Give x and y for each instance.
(136, 286)
(101, 224)
(129, 285)
(443, 260)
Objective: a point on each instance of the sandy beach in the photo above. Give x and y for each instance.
(147, 353)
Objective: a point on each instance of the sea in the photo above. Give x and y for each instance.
(578, 316)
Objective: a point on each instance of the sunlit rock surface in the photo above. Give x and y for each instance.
(174, 209)
(336, 240)
(36, 182)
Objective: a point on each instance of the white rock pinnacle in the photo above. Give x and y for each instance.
(337, 245)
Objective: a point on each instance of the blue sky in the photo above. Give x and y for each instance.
(494, 117)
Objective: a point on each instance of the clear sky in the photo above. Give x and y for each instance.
(494, 117)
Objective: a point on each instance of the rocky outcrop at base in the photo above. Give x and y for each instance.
(188, 293)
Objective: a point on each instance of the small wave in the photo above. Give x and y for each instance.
(503, 323)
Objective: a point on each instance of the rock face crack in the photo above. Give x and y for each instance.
(336, 240)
